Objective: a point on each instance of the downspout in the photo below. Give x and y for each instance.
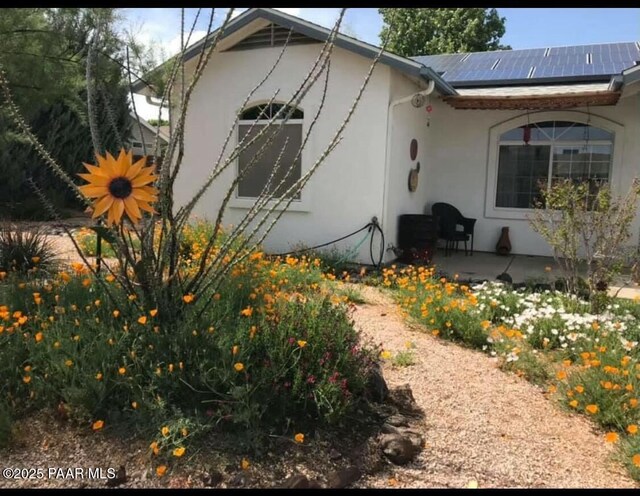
(387, 166)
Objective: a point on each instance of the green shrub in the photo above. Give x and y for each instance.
(5, 424)
(404, 359)
(23, 250)
(272, 349)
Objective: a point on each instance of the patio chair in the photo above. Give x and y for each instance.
(449, 218)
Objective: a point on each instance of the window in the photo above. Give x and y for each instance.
(555, 150)
(258, 169)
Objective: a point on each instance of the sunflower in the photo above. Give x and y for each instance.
(120, 186)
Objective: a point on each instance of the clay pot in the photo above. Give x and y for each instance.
(504, 244)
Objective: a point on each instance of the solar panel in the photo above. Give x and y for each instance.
(571, 61)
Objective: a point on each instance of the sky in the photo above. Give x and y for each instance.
(525, 27)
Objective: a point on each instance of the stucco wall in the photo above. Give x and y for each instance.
(407, 123)
(347, 189)
(460, 158)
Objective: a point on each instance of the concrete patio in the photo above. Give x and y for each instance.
(522, 268)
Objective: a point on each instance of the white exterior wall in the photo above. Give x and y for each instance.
(464, 163)
(347, 189)
(407, 123)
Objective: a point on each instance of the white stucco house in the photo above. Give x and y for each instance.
(488, 127)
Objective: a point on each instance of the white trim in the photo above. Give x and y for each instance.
(242, 202)
(491, 186)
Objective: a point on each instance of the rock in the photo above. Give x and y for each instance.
(416, 438)
(296, 481)
(377, 389)
(402, 397)
(120, 478)
(212, 478)
(241, 479)
(300, 481)
(398, 448)
(343, 478)
(398, 421)
(389, 429)
(334, 454)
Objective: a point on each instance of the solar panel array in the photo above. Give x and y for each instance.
(571, 62)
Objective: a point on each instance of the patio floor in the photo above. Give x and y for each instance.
(483, 266)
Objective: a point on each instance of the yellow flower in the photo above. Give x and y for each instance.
(134, 404)
(39, 337)
(188, 298)
(116, 313)
(99, 376)
(611, 437)
(122, 371)
(299, 437)
(153, 312)
(561, 375)
(485, 324)
(68, 363)
(579, 389)
(120, 186)
(245, 464)
(385, 354)
(179, 452)
(247, 312)
(110, 278)
(573, 403)
(142, 320)
(238, 366)
(235, 349)
(165, 431)
(97, 425)
(632, 429)
(26, 379)
(592, 409)
(636, 460)
(35, 260)
(184, 432)
(161, 470)
(302, 344)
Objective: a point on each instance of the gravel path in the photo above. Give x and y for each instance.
(482, 424)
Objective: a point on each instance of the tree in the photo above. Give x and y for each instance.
(411, 32)
(43, 54)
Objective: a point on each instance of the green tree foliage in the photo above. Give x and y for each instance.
(43, 54)
(413, 32)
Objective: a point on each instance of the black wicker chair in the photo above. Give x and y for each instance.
(449, 218)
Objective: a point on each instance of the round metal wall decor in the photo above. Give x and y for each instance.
(413, 149)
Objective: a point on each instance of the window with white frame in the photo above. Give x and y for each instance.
(278, 166)
(529, 159)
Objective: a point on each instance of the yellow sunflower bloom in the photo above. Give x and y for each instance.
(120, 186)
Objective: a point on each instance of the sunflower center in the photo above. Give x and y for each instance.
(120, 187)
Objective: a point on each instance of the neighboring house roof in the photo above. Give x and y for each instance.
(319, 33)
(535, 66)
(164, 136)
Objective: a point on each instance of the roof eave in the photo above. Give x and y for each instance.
(532, 81)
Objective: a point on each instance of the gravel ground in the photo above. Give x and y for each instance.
(482, 424)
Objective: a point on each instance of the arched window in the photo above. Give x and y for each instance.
(533, 155)
(285, 145)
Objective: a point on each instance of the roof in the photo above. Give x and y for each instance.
(314, 31)
(502, 68)
(164, 136)
(534, 97)
(535, 66)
